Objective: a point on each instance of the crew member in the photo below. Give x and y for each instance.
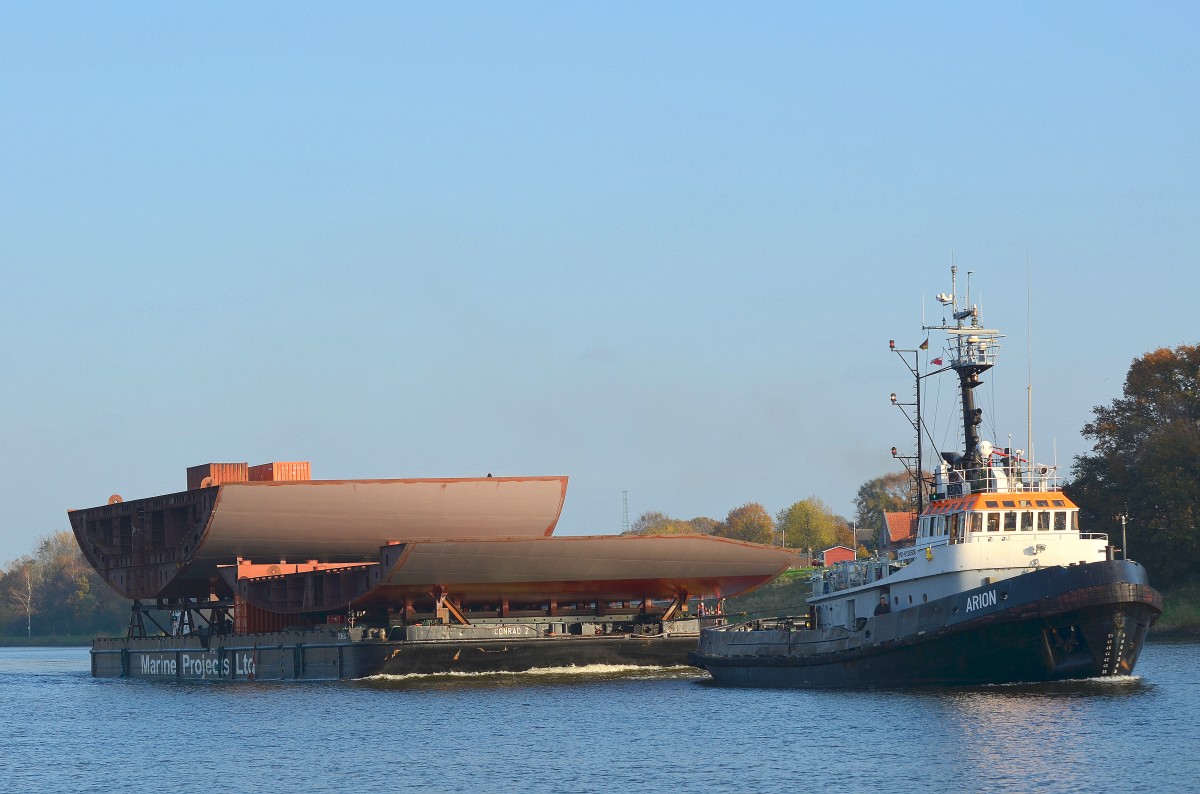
(883, 607)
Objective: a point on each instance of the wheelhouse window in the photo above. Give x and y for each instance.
(976, 522)
(1027, 521)
(1060, 521)
(1010, 520)
(1043, 520)
(993, 522)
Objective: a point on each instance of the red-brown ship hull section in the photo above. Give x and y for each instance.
(490, 572)
(170, 546)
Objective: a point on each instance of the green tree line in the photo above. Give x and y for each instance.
(55, 591)
(807, 524)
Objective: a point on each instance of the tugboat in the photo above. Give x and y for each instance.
(1001, 584)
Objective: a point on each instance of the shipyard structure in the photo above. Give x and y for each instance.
(260, 572)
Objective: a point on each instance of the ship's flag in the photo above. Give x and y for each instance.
(925, 344)
(937, 362)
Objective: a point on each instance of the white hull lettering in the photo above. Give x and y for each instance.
(204, 666)
(192, 666)
(981, 600)
(244, 664)
(152, 666)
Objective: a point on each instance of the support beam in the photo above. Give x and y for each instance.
(446, 607)
(136, 627)
(677, 605)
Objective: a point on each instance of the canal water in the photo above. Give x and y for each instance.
(598, 730)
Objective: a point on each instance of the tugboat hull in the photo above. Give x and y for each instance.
(1081, 621)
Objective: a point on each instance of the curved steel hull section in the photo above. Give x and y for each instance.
(1082, 621)
(475, 572)
(170, 546)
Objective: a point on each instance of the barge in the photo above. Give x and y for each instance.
(331, 653)
(239, 580)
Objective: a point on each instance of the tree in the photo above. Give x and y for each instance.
(810, 524)
(887, 494)
(650, 523)
(1145, 464)
(654, 523)
(59, 592)
(23, 585)
(60, 566)
(83, 601)
(750, 522)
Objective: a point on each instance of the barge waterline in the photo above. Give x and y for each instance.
(331, 654)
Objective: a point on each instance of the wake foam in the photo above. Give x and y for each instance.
(573, 671)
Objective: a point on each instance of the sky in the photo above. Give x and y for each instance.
(659, 248)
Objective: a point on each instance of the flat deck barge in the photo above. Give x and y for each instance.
(333, 654)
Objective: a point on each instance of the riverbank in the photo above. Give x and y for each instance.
(47, 641)
(1181, 611)
(786, 595)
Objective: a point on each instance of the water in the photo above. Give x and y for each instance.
(598, 730)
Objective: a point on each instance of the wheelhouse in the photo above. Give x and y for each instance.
(980, 516)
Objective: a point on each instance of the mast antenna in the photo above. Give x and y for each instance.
(1029, 458)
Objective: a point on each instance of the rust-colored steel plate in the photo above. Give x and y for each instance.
(170, 546)
(564, 569)
(280, 471)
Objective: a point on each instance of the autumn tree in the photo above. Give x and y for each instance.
(750, 522)
(703, 525)
(654, 523)
(22, 583)
(887, 494)
(650, 523)
(810, 524)
(57, 592)
(1145, 464)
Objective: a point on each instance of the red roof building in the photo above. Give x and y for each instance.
(899, 530)
(837, 554)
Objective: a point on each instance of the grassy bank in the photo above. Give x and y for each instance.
(787, 595)
(1181, 610)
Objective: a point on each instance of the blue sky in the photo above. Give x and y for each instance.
(659, 248)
